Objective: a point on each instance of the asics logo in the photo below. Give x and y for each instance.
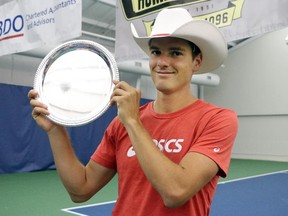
(170, 146)
(131, 152)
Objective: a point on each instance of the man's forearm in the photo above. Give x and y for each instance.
(69, 168)
(161, 171)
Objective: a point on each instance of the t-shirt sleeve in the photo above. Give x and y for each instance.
(218, 134)
(105, 152)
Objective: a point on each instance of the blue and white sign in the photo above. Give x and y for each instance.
(28, 24)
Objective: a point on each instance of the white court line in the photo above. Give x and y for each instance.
(255, 176)
(69, 210)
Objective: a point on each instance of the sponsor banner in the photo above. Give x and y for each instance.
(28, 24)
(237, 19)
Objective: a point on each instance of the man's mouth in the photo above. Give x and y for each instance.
(164, 72)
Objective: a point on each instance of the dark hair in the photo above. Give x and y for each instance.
(195, 49)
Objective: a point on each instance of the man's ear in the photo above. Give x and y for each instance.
(197, 62)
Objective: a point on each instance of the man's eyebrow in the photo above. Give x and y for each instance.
(170, 48)
(153, 47)
(176, 48)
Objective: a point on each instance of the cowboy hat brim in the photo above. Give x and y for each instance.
(204, 34)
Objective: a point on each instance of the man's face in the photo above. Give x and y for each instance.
(171, 64)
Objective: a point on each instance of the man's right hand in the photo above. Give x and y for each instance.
(39, 112)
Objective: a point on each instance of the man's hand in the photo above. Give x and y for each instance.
(127, 99)
(39, 110)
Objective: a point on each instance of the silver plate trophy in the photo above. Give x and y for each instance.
(75, 81)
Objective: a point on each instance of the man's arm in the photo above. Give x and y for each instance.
(176, 183)
(81, 182)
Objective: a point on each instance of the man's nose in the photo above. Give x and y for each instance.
(162, 61)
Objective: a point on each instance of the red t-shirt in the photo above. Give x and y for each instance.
(200, 127)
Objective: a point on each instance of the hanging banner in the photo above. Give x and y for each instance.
(28, 24)
(237, 19)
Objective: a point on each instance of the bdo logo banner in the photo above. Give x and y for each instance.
(28, 24)
(14, 25)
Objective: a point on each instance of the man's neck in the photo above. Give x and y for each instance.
(172, 103)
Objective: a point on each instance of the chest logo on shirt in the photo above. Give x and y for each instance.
(169, 146)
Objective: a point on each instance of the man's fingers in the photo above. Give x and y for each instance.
(119, 90)
(37, 103)
(115, 82)
(32, 94)
(38, 108)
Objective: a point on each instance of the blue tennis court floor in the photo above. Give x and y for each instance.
(261, 195)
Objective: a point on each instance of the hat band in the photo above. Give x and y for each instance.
(160, 35)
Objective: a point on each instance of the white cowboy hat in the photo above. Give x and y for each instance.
(178, 22)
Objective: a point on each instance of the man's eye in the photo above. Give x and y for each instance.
(155, 52)
(176, 53)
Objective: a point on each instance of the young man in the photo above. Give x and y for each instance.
(169, 153)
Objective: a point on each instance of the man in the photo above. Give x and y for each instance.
(169, 153)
